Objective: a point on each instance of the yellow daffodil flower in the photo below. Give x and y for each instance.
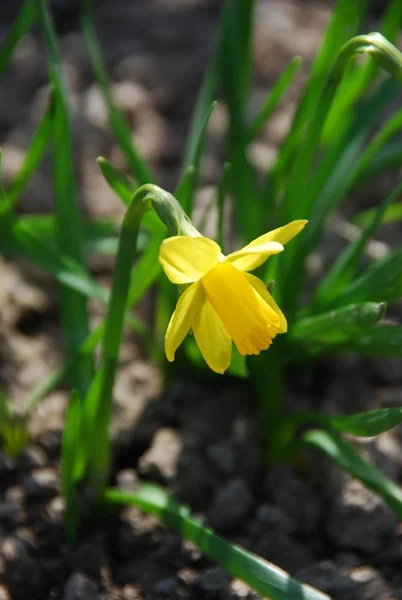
(224, 302)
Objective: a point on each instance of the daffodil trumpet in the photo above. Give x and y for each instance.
(222, 301)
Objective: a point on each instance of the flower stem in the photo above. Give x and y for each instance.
(139, 205)
(267, 375)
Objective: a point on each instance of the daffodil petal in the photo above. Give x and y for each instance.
(248, 319)
(259, 286)
(251, 257)
(212, 338)
(261, 245)
(186, 259)
(187, 307)
(283, 235)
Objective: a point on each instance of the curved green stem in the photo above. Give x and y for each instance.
(144, 199)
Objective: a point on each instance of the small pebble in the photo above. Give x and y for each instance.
(10, 513)
(163, 454)
(4, 595)
(81, 587)
(41, 483)
(212, 583)
(231, 506)
(166, 588)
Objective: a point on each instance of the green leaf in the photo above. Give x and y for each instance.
(124, 189)
(389, 157)
(347, 160)
(345, 21)
(71, 450)
(359, 76)
(335, 326)
(280, 86)
(367, 424)
(345, 266)
(119, 126)
(100, 235)
(236, 50)
(206, 96)
(33, 156)
(13, 428)
(185, 188)
(297, 196)
(22, 240)
(382, 281)
(145, 273)
(220, 201)
(197, 145)
(392, 214)
(384, 340)
(262, 576)
(364, 424)
(349, 459)
(93, 442)
(5, 408)
(19, 28)
(120, 184)
(74, 311)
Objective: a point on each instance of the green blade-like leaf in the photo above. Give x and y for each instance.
(384, 340)
(68, 272)
(392, 214)
(206, 94)
(264, 577)
(367, 424)
(6, 216)
(345, 21)
(297, 197)
(22, 240)
(145, 272)
(100, 235)
(382, 281)
(185, 188)
(220, 201)
(345, 266)
(273, 98)
(33, 156)
(120, 128)
(71, 451)
(348, 458)
(74, 311)
(186, 199)
(120, 184)
(359, 76)
(340, 172)
(143, 275)
(19, 28)
(124, 189)
(335, 326)
(389, 157)
(347, 159)
(13, 428)
(249, 209)
(364, 424)
(5, 408)
(91, 442)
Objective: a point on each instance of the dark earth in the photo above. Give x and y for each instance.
(199, 438)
